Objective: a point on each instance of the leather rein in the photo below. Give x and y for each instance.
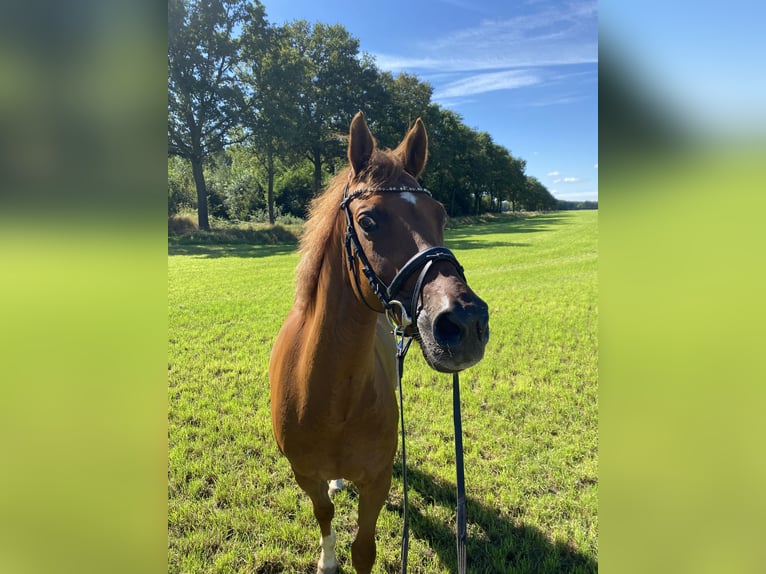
(404, 330)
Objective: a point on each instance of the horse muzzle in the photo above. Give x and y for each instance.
(454, 330)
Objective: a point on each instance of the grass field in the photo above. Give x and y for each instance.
(529, 414)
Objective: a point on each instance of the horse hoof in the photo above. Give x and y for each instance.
(333, 570)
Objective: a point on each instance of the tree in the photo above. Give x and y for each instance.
(455, 165)
(498, 174)
(295, 188)
(274, 77)
(336, 84)
(395, 104)
(537, 197)
(233, 177)
(482, 171)
(180, 185)
(287, 93)
(518, 182)
(204, 96)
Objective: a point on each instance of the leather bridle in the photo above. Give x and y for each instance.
(388, 295)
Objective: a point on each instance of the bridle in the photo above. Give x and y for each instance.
(404, 330)
(421, 261)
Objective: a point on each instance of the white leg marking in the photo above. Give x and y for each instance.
(409, 196)
(335, 486)
(327, 560)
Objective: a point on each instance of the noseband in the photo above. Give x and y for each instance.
(421, 261)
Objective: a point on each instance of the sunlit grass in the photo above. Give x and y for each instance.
(529, 414)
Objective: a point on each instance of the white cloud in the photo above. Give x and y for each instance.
(397, 63)
(553, 36)
(564, 179)
(480, 83)
(575, 195)
(595, 166)
(552, 173)
(557, 101)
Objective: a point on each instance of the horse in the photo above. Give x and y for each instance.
(333, 368)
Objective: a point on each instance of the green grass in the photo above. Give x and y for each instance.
(529, 414)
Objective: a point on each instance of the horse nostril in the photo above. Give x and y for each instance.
(446, 332)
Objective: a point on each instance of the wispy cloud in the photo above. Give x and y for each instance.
(595, 166)
(557, 101)
(551, 36)
(472, 61)
(570, 179)
(552, 173)
(480, 83)
(506, 53)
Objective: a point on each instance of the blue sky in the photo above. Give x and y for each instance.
(703, 61)
(526, 72)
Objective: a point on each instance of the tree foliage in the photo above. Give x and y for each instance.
(205, 98)
(334, 87)
(263, 111)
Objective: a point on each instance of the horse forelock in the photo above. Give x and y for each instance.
(325, 225)
(383, 170)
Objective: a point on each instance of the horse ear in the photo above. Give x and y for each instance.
(414, 149)
(361, 144)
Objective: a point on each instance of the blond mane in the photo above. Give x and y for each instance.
(323, 233)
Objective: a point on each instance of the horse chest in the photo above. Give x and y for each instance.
(339, 427)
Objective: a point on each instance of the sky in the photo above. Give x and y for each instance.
(526, 72)
(703, 61)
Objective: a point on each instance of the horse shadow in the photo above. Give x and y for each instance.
(503, 545)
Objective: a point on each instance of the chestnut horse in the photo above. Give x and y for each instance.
(333, 366)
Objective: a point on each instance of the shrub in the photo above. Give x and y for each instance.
(181, 224)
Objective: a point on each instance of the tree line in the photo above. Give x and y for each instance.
(258, 115)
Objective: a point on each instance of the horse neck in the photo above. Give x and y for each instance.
(342, 326)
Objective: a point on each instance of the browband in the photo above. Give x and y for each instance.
(349, 197)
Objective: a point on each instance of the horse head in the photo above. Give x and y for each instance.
(395, 254)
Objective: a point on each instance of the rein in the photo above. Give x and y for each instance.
(402, 346)
(404, 331)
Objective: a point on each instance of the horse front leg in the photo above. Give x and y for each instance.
(324, 510)
(372, 496)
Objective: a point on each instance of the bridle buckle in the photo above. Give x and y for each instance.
(406, 320)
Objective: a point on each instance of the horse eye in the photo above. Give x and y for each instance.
(367, 223)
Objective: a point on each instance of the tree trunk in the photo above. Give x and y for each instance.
(317, 160)
(199, 182)
(270, 190)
